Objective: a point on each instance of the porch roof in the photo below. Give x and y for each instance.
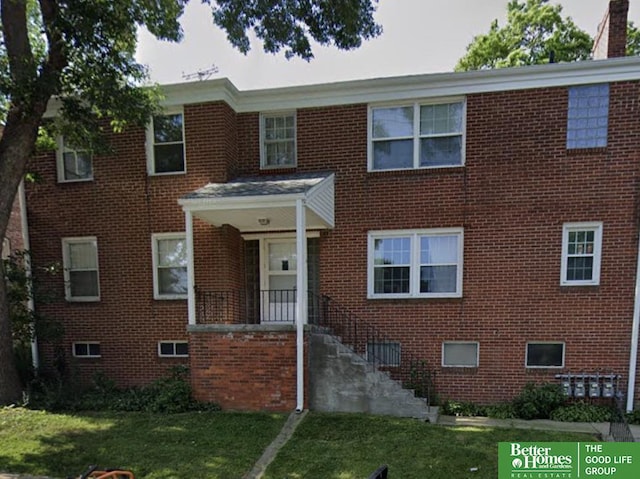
(265, 203)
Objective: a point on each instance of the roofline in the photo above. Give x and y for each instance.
(403, 87)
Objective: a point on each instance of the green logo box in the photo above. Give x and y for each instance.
(564, 460)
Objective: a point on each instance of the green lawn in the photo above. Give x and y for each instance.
(215, 445)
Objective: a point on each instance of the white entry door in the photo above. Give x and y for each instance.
(280, 264)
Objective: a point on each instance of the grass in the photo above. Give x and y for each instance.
(208, 445)
(215, 445)
(353, 446)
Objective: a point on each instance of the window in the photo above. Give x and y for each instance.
(80, 260)
(86, 350)
(419, 263)
(581, 249)
(165, 143)
(417, 136)
(73, 164)
(545, 355)
(173, 349)
(588, 116)
(170, 266)
(460, 354)
(278, 146)
(383, 353)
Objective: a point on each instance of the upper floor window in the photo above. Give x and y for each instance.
(278, 140)
(165, 144)
(588, 116)
(73, 164)
(80, 261)
(417, 136)
(415, 263)
(581, 251)
(169, 266)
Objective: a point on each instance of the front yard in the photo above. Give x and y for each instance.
(216, 445)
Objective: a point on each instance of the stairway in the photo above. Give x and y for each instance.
(342, 381)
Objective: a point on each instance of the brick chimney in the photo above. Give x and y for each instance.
(611, 37)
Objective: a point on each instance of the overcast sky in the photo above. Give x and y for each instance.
(420, 36)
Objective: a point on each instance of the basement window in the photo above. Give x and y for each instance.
(86, 350)
(461, 354)
(545, 355)
(173, 349)
(384, 353)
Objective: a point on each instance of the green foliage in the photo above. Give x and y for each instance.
(535, 30)
(633, 417)
(538, 401)
(168, 395)
(500, 411)
(582, 412)
(461, 408)
(633, 40)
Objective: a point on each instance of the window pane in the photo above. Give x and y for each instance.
(169, 158)
(438, 279)
(441, 151)
(580, 268)
(182, 349)
(166, 349)
(460, 354)
(545, 354)
(83, 255)
(392, 251)
(392, 122)
(438, 119)
(83, 283)
(385, 354)
(588, 116)
(94, 349)
(391, 280)
(392, 154)
(172, 280)
(438, 249)
(167, 128)
(172, 252)
(282, 257)
(81, 349)
(281, 153)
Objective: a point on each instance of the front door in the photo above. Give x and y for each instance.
(278, 302)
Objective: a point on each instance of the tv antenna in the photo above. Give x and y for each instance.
(201, 75)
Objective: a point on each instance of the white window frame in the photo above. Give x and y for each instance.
(477, 359)
(61, 149)
(416, 131)
(263, 153)
(88, 344)
(173, 343)
(595, 226)
(150, 143)
(66, 262)
(414, 265)
(154, 251)
(526, 354)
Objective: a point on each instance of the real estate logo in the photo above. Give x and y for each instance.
(563, 460)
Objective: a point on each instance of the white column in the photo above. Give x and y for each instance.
(301, 304)
(191, 292)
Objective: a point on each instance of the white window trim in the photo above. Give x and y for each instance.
(154, 252)
(88, 355)
(151, 166)
(60, 149)
(526, 354)
(174, 348)
(568, 227)
(66, 261)
(263, 165)
(414, 278)
(476, 365)
(416, 132)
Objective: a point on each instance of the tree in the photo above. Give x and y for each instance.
(633, 40)
(535, 31)
(82, 52)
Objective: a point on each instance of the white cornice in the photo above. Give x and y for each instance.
(404, 87)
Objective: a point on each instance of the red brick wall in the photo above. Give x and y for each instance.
(244, 369)
(13, 235)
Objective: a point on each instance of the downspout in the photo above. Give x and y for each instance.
(635, 329)
(301, 308)
(22, 198)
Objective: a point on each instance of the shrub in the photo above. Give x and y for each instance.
(633, 417)
(500, 411)
(582, 412)
(461, 408)
(538, 401)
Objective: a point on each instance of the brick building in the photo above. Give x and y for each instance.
(485, 223)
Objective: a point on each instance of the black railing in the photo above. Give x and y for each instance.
(243, 306)
(377, 348)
